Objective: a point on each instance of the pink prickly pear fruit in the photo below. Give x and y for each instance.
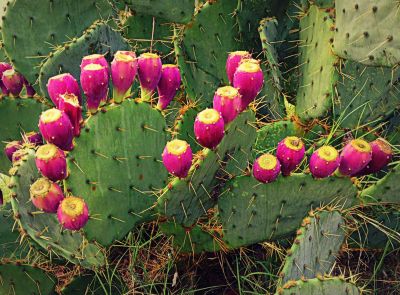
(12, 80)
(34, 138)
(57, 129)
(233, 61)
(382, 154)
(94, 81)
(168, 85)
(227, 101)
(69, 104)
(249, 80)
(30, 91)
(97, 59)
(11, 148)
(123, 72)
(46, 195)
(62, 84)
(19, 155)
(73, 213)
(209, 128)
(51, 162)
(324, 161)
(177, 157)
(266, 168)
(290, 153)
(4, 67)
(149, 72)
(354, 157)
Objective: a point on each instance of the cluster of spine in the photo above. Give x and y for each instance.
(358, 158)
(247, 79)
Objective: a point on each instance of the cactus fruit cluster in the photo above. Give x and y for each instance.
(213, 125)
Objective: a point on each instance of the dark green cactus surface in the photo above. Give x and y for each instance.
(116, 167)
(43, 228)
(185, 200)
(184, 128)
(252, 212)
(25, 279)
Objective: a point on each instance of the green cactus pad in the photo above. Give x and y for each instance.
(44, 228)
(191, 240)
(178, 11)
(24, 279)
(184, 200)
(138, 29)
(365, 31)
(324, 3)
(116, 165)
(271, 134)
(204, 49)
(32, 29)
(365, 94)
(17, 116)
(317, 65)
(318, 286)
(253, 212)
(184, 128)
(99, 39)
(317, 242)
(384, 190)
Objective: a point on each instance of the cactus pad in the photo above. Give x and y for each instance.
(252, 212)
(24, 279)
(384, 190)
(317, 242)
(116, 166)
(317, 65)
(17, 116)
(365, 93)
(184, 200)
(44, 228)
(184, 128)
(31, 29)
(318, 286)
(366, 31)
(99, 39)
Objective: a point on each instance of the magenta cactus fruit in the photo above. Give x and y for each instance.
(51, 162)
(69, 104)
(168, 85)
(11, 148)
(73, 213)
(290, 153)
(34, 138)
(149, 72)
(97, 59)
(62, 84)
(46, 195)
(13, 81)
(227, 101)
(209, 128)
(382, 154)
(30, 91)
(177, 157)
(354, 157)
(266, 168)
(233, 61)
(324, 161)
(249, 80)
(94, 81)
(57, 129)
(4, 67)
(123, 72)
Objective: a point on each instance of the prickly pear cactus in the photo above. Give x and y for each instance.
(20, 279)
(45, 229)
(252, 212)
(185, 200)
(317, 242)
(116, 167)
(32, 29)
(183, 127)
(100, 38)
